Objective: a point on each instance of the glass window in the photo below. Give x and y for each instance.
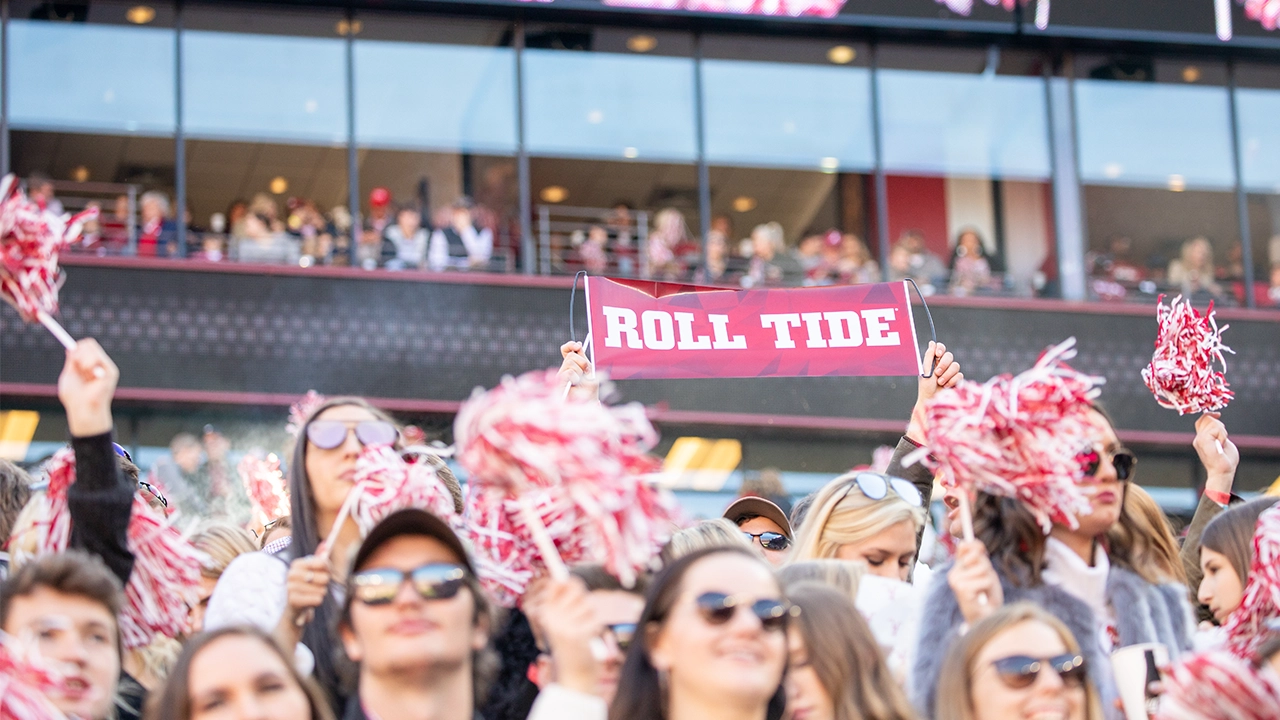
(436, 137)
(100, 72)
(1258, 106)
(965, 135)
(1154, 148)
(807, 106)
(435, 95)
(609, 93)
(259, 75)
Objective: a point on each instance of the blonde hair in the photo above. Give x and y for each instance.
(843, 575)
(716, 532)
(843, 515)
(1142, 540)
(221, 543)
(954, 697)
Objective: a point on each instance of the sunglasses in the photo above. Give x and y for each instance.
(623, 634)
(437, 581)
(155, 492)
(718, 608)
(121, 452)
(876, 486)
(1020, 672)
(1122, 460)
(329, 434)
(769, 540)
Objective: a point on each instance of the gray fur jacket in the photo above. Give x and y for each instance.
(1144, 613)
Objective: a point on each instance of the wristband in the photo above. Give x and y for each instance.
(1222, 498)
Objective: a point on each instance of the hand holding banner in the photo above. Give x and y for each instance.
(645, 329)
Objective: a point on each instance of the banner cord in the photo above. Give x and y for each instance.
(573, 300)
(933, 334)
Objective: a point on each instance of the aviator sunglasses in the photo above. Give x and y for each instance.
(877, 485)
(437, 581)
(1122, 460)
(769, 540)
(1020, 672)
(717, 608)
(329, 434)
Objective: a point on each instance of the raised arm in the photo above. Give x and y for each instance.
(101, 499)
(1220, 468)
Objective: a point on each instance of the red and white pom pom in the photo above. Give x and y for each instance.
(301, 410)
(1181, 374)
(1266, 12)
(1018, 436)
(266, 487)
(1246, 627)
(26, 680)
(1217, 685)
(385, 482)
(166, 568)
(31, 240)
(578, 464)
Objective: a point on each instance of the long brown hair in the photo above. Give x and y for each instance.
(174, 701)
(955, 682)
(845, 656)
(1231, 534)
(1143, 541)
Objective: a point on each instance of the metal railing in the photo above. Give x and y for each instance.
(562, 231)
(76, 196)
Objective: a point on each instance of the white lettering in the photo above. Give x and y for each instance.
(658, 332)
(781, 324)
(877, 322)
(838, 322)
(619, 321)
(684, 323)
(720, 331)
(813, 323)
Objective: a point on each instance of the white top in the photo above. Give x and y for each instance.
(253, 591)
(556, 703)
(479, 247)
(1067, 570)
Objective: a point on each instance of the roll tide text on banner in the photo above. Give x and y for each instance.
(644, 329)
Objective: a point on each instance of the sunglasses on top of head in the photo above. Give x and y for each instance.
(436, 581)
(1020, 672)
(717, 608)
(876, 486)
(329, 434)
(1122, 460)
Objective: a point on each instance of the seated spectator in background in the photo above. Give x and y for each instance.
(594, 250)
(198, 480)
(621, 227)
(210, 248)
(113, 228)
(408, 240)
(770, 263)
(460, 245)
(1192, 273)
(970, 270)
(266, 206)
(668, 241)
(156, 232)
(720, 268)
(856, 265)
(918, 263)
(808, 255)
(379, 218)
(68, 603)
(258, 243)
(1234, 269)
(40, 192)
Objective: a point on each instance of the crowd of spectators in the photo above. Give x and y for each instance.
(1189, 268)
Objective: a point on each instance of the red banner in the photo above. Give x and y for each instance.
(644, 329)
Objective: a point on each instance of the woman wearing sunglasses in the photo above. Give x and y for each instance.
(710, 644)
(292, 594)
(1020, 663)
(1080, 575)
(836, 670)
(865, 516)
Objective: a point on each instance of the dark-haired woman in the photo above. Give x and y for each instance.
(236, 673)
(711, 644)
(1069, 572)
(291, 594)
(1226, 555)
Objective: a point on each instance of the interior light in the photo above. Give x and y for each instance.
(1177, 183)
(80, 173)
(1113, 170)
(630, 153)
(279, 185)
(553, 194)
(829, 164)
(140, 14)
(641, 43)
(1190, 74)
(345, 28)
(744, 203)
(842, 54)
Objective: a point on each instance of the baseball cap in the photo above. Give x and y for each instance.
(411, 521)
(752, 506)
(379, 197)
